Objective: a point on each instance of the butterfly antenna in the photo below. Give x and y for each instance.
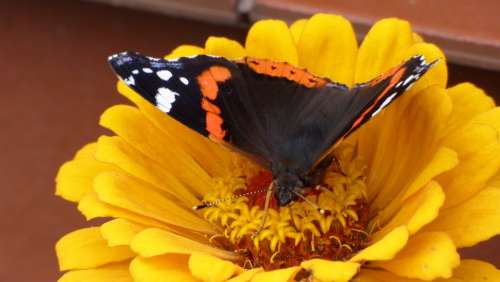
(300, 195)
(266, 208)
(234, 197)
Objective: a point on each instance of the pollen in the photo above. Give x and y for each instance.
(298, 231)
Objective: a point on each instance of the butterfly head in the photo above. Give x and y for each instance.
(287, 184)
(287, 187)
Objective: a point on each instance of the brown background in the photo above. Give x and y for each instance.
(54, 83)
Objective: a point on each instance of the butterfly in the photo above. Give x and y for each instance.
(281, 116)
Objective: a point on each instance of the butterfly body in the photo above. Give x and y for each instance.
(281, 116)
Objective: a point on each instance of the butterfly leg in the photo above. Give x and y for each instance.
(338, 165)
(316, 207)
(269, 193)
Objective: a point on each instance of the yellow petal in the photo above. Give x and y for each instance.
(125, 192)
(468, 271)
(185, 51)
(221, 46)
(382, 48)
(296, 29)
(86, 248)
(133, 127)
(444, 160)
(438, 74)
(114, 272)
(171, 268)
(427, 256)
(331, 271)
(116, 151)
(86, 152)
(271, 39)
(417, 211)
(407, 143)
(380, 275)
(154, 242)
(74, 178)
(211, 269)
(328, 48)
(468, 101)
(386, 248)
(120, 232)
(204, 151)
(279, 275)
(247, 275)
(495, 180)
(91, 207)
(478, 146)
(474, 271)
(475, 220)
(417, 38)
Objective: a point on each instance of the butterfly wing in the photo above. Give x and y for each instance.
(366, 100)
(370, 98)
(205, 93)
(302, 121)
(282, 116)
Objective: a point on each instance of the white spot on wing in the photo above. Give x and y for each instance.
(164, 99)
(135, 71)
(164, 74)
(147, 70)
(410, 78)
(129, 80)
(385, 103)
(184, 80)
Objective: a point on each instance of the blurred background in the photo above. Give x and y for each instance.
(55, 83)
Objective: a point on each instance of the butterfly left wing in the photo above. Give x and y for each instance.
(169, 85)
(197, 91)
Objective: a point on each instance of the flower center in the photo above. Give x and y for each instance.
(298, 231)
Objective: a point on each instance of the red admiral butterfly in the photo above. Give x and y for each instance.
(283, 117)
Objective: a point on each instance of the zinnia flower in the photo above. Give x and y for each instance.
(410, 187)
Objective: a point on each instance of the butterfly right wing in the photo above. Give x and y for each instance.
(366, 100)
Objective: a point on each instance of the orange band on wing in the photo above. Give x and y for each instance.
(258, 66)
(295, 74)
(274, 69)
(220, 74)
(285, 70)
(311, 81)
(394, 80)
(208, 85)
(209, 107)
(209, 90)
(209, 78)
(214, 125)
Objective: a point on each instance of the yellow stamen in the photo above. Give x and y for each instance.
(322, 223)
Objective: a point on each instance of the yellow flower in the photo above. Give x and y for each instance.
(410, 187)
